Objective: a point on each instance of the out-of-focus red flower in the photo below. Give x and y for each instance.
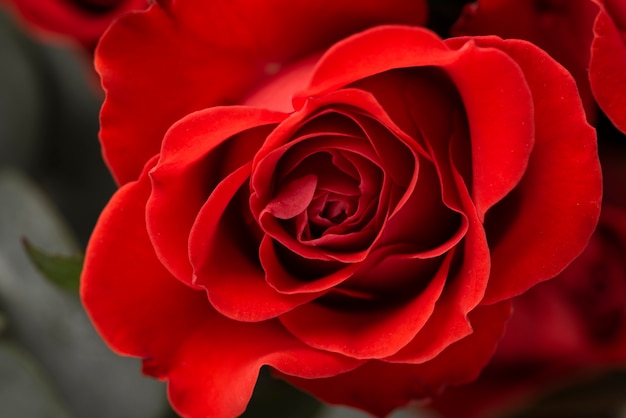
(83, 21)
(586, 36)
(607, 65)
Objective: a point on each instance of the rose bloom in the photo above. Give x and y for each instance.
(587, 36)
(330, 190)
(83, 21)
(560, 329)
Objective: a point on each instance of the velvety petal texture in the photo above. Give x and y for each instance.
(354, 207)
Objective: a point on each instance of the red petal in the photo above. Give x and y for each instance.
(379, 387)
(217, 52)
(393, 46)
(293, 198)
(422, 220)
(278, 276)
(490, 83)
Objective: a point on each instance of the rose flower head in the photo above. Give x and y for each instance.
(330, 190)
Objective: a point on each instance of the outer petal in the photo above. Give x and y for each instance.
(607, 68)
(557, 203)
(491, 84)
(141, 310)
(179, 57)
(379, 387)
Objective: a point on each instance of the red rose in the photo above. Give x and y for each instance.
(81, 20)
(586, 36)
(352, 206)
(560, 328)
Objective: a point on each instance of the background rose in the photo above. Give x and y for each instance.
(572, 324)
(356, 216)
(84, 21)
(586, 36)
(607, 66)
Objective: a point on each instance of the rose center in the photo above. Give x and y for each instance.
(335, 211)
(329, 210)
(334, 201)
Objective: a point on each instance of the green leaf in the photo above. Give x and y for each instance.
(64, 271)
